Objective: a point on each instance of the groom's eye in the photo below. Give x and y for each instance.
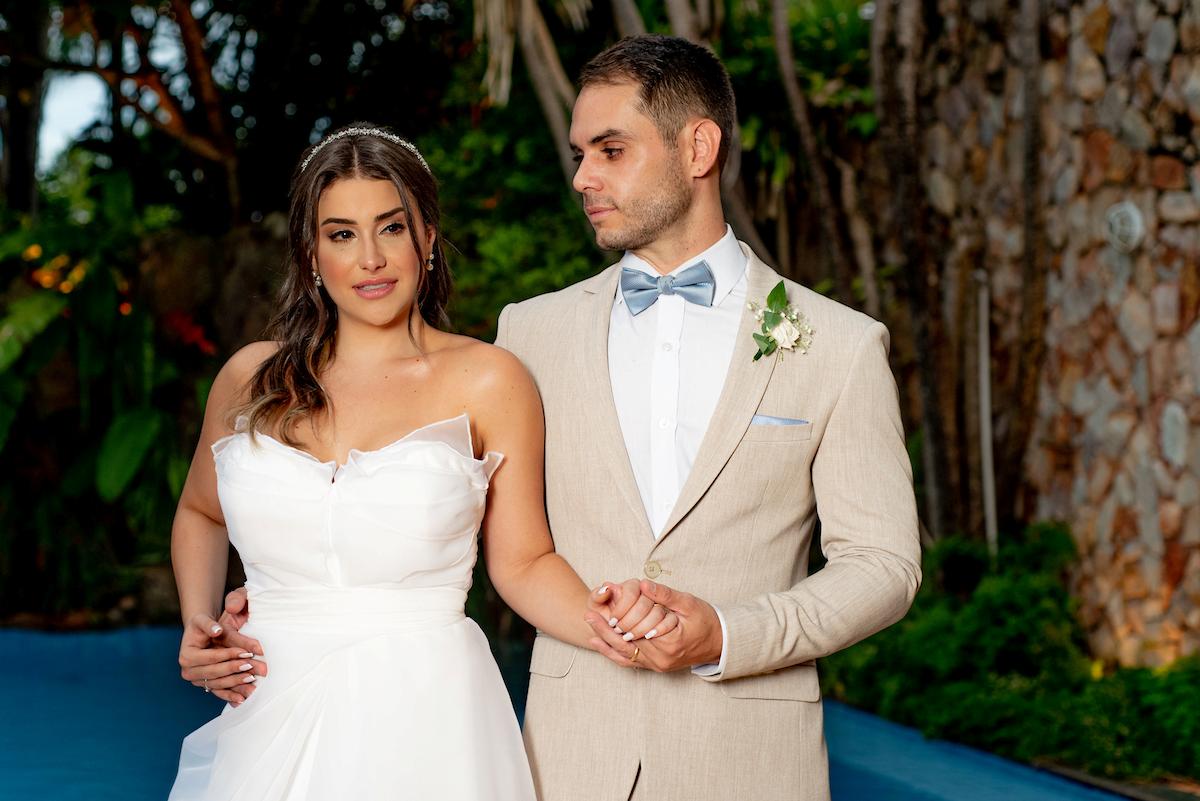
(611, 152)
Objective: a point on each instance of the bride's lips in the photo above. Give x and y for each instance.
(375, 289)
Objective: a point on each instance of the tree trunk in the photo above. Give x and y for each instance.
(1031, 348)
(23, 87)
(543, 65)
(628, 19)
(683, 20)
(835, 254)
(199, 70)
(895, 43)
(860, 239)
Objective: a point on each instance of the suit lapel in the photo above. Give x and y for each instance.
(606, 434)
(744, 386)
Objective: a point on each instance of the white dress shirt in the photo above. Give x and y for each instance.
(667, 366)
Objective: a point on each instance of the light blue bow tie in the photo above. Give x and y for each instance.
(695, 285)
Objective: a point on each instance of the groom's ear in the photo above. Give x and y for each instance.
(705, 142)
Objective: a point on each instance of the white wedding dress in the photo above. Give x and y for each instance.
(379, 687)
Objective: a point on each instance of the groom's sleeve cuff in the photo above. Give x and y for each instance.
(709, 670)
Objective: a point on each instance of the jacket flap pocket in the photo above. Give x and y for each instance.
(798, 683)
(551, 657)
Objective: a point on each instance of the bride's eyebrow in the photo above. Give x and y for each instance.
(378, 217)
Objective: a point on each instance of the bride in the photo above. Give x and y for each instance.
(351, 460)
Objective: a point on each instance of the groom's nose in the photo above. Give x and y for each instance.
(585, 179)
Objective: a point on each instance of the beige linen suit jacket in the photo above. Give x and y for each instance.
(739, 538)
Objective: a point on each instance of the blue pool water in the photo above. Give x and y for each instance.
(100, 716)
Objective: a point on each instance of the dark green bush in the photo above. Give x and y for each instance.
(995, 658)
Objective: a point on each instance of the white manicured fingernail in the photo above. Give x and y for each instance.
(651, 633)
(628, 637)
(216, 629)
(246, 666)
(612, 621)
(246, 655)
(249, 679)
(602, 590)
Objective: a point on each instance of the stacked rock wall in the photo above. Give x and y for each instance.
(1115, 451)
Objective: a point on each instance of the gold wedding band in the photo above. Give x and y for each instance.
(637, 651)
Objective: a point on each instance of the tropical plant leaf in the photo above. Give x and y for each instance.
(125, 446)
(27, 317)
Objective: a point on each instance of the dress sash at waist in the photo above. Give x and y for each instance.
(374, 609)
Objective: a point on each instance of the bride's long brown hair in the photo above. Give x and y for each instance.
(286, 389)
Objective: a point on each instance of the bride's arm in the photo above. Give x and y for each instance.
(200, 550)
(535, 581)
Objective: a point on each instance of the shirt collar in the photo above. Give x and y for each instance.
(725, 258)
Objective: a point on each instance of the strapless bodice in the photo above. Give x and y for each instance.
(404, 516)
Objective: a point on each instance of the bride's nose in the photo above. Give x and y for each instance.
(373, 257)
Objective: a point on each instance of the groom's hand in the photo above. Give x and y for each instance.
(696, 640)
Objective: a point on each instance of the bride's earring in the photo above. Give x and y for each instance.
(429, 263)
(317, 279)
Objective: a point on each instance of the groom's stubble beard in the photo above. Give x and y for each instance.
(651, 214)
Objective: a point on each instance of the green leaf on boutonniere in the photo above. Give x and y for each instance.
(777, 300)
(780, 320)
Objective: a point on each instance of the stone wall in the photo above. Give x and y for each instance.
(1115, 451)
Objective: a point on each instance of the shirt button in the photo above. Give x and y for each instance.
(663, 423)
(667, 346)
(652, 570)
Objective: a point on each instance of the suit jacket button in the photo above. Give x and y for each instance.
(653, 570)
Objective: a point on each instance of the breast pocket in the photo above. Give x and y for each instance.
(779, 432)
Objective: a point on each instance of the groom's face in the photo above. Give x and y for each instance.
(633, 183)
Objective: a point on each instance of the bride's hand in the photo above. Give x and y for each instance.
(208, 659)
(629, 613)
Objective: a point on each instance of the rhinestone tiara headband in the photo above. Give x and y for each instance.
(379, 132)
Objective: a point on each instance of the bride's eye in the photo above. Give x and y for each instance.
(340, 235)
(396, 227)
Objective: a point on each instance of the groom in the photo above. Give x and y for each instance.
(674, 456)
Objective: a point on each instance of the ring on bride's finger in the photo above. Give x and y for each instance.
(637, 651)
(206, 685)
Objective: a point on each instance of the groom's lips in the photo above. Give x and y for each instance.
(597, 212)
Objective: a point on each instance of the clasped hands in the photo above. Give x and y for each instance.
(641, 624)
(218, 657)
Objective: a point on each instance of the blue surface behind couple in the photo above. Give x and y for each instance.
(99, 716)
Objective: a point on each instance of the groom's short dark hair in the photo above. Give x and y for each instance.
(678, 80)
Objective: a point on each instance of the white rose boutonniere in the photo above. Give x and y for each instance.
(784, 327)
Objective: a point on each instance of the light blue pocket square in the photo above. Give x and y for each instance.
(768, 420)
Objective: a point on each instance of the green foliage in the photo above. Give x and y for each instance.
(513, 227)
(92, 382)
(995, 658)
(123, 450)
(26, 317)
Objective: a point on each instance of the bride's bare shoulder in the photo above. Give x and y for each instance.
(234, 377)
(486, 367)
